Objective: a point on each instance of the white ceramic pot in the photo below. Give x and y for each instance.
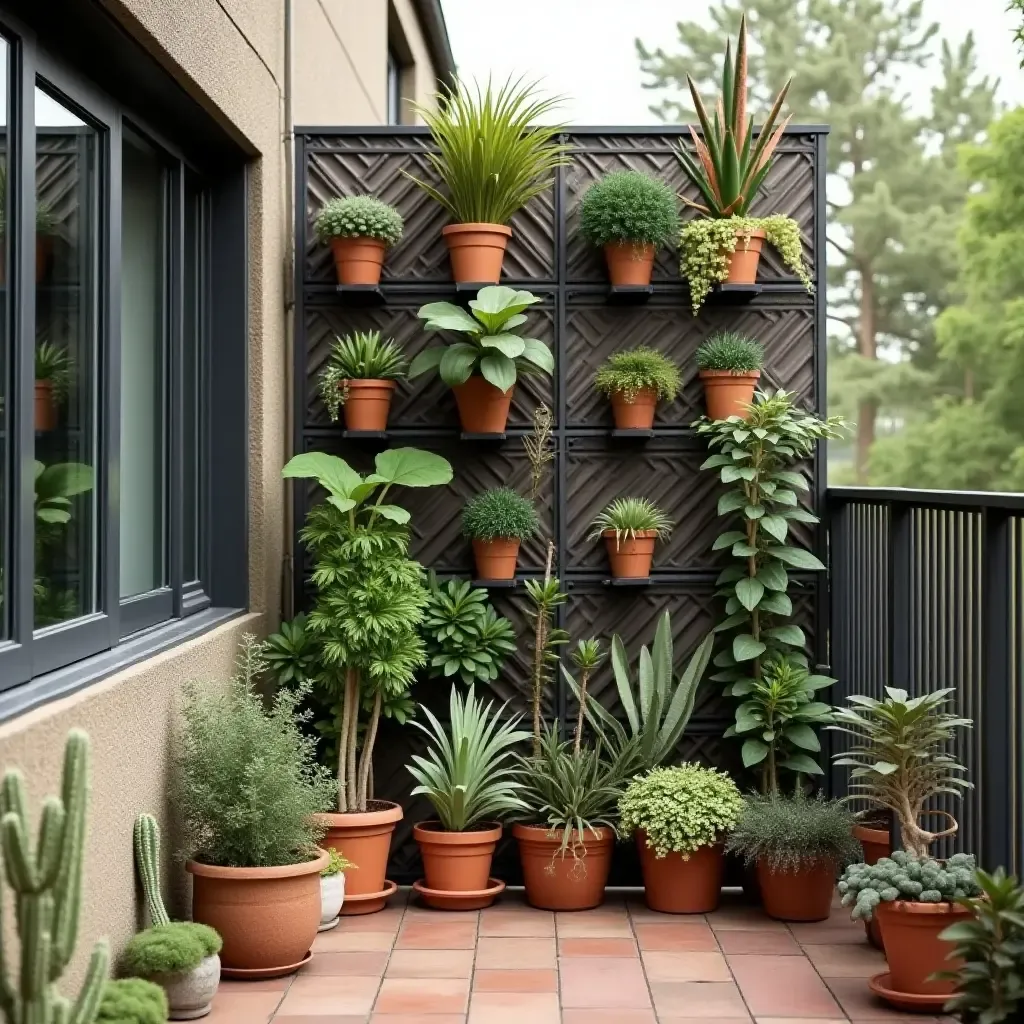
(332, 896)
(189, 995)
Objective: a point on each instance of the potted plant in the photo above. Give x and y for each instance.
(483, 366)
(497, 522)
(255, 864)
(915, 900)
(359, 229)
(797, 844)
(53, 376)
(724, 243)
(730, 366)
(332, 889)
(46, 228)
(679, 817)
(132, 1001)
(493, 156)
(468, 775)
(360, 375)
(629, 214)
(635, 381)
(630, 526)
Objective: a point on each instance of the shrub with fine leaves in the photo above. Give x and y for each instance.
(500, 512)
(358, 217)
(628, 206)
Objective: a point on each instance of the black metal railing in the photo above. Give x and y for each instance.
(927, 591)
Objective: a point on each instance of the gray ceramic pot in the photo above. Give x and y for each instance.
(190, 995)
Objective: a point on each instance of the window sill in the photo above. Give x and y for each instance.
(69, 680)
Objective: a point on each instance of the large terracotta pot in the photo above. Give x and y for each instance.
(364, 837)
(457, 866)
(367, 404)
(358, 260)
(913, 949)
(554, 882)
(744, 260)
(676, 886)
(44, 407)
(636, 412)
(629, 263)
(727, 393)
(876, 843)
(476, 251)
(267, 917)
(802, 895)
(630, 557)
(483, 408)
(496, 558)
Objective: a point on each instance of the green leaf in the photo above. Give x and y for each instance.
(799, 558)
(744, 550)
(446, 316)
(499, 370)
(746, 648)
(333, 474)
(730, 474)
(510, 345)
(796, 480)
(715, 461)
(776, 604)
(394, 513)
(802, 735)
(749, 592)
(53, 515)
(793, 636)
(426, 361)
(800, 515)
(731, 501)
(801, 763)
(496, 304)
(341, 504)
(726, 540)
(753, 752)
(411, 467)
(815, 682)
(773, 576)
(776, 526)
(537, 353)
(784, 497)
(457, 363)
(754, 511)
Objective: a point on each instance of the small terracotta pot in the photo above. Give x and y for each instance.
(267, 917)
(637, 412)
(630, 557)
(743, 262)
(364, 837)
(476, 251)
(483, 408)
(728, 394)
(803, 895)
(876, 842)
(676, 886)
(496, 559)
(913, 949)
(45, 408)
(554, 882)
(456, 861)
(44, 246)
(358, 260)
(368, 404)
(629, 263)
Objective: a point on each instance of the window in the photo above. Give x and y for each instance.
(394, 97)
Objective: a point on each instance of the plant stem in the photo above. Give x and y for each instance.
(539, 649)
(367, 754)
(352, 693)
(584, 679)
(343, 731)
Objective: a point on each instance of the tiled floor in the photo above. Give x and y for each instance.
(619, 964)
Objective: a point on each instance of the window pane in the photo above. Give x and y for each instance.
(6, 362)
(143, 331)
(193, 378)
(67, 247)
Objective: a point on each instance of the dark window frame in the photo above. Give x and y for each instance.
(393, 95)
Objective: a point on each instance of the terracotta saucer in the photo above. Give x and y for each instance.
(916, 1002)
(264, 972)
(368, 902)
(474, 900)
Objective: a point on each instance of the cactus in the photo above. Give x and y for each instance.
(47, 885)
(147, 860)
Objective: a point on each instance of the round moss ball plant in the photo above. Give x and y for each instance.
(730, 367)
(132, 1001)
(636, 380)
(359, 229)
(497, 522)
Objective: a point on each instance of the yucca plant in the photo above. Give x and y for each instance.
(53, 364)
(361, 355)
(629, 516)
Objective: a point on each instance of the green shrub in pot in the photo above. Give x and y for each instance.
(358, 217)
(359, 356)
(497, 522)
(636, 380)
(132, 1001)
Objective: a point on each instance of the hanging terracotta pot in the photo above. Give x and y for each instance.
(483, 408)
(676, 886)
(44, 406)
(476, 251)
(630, 557)
(629, 263)
(496, 558)
(554, 882)
(801, 895)
(457, 866)
(743, 261)
(635, 412)
(368, 404)
(728, 393)
(364, 837)
(358, 260)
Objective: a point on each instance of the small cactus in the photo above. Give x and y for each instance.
(147, 860)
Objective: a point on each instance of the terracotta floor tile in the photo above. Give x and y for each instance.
(525, 980)
(620, 1016)
(387, 920)
(698, 1000)
(597, 947)
(605, 983)
(430, 963)
(797, 1020)
(846, 960)
(504, 953)
(319, 1018)
(423, 995)
(416, 1018)
(782, 986)
(519, 922)
(340, 996)
(437, 934)
(862, 1007)
(830, 934)
(243, 1007)
(347, 963)
(662, 965)
(514, 1008)
(338, 941)
(743, 916)
(266, 985)
(691, 935)
(760, 940)
(594, 924)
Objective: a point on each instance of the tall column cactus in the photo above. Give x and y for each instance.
(147, 860)
(47, 886)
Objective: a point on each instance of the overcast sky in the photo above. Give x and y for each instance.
(584, 48)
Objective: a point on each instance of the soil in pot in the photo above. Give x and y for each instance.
(190, 995)
(496, 558)
(673, 885)
(476, 251)
(802, 895)
(44, 408)
(629, 263)
(483, 408)
(554, 882)
(728, 394)
(913, 949)
(358, 260)
(456, 862)
(744, 261)
(368, 404)
(636, 412)
(630, 557)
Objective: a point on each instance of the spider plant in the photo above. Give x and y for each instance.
(627, 517)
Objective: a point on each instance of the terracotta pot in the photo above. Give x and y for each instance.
(629, 263)
(554, 882)
(456, 861)
(803, 895)
(630, 557)
(358, 260)
(636, 413)
(676, 886)
(267, 917)
(365, 839)
(483, 408)
(44, 246)
(45, 408)
(476, 251)
(743, 262)
(910, 933)
(496, 558)
(876, 842)
(728, 394)
(367, 404)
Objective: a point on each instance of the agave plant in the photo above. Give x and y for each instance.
(731, 164)
(361, 355)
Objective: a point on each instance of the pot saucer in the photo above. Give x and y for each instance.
(915, 1002)
(368, 902)
(475, 899)
(256, 974)
(330, 924)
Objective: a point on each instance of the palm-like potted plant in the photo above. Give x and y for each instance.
(483, 366)
(730, 367)
(360, 375)
(630, 526)
(469, 776)
(629, 214)
(359, 230)
(53, 377)
(497, 522)
(636, 380)
(493, 156)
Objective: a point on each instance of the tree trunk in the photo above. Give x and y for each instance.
(366, 759)
(867, 409)
(352, 695)
(347, 712)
